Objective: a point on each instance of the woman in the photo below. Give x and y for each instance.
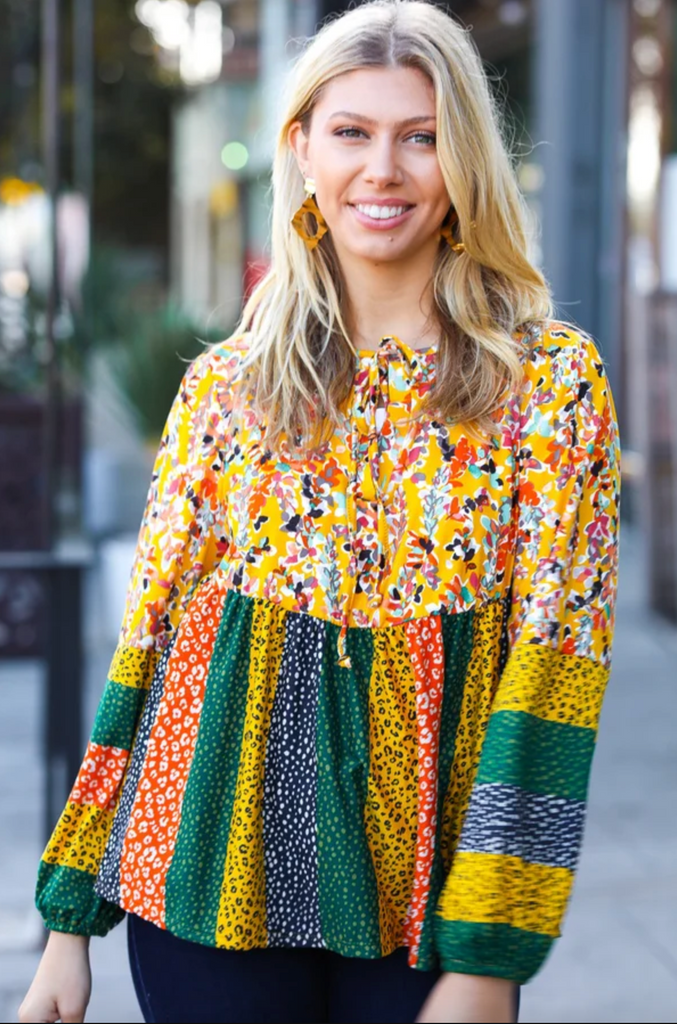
(339, 769)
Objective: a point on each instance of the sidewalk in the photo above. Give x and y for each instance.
(21, 782)
(617, 960)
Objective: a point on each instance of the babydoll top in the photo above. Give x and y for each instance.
(355, 697)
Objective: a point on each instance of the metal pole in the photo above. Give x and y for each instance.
(580, 92)
(83, 158)
(64, 692)
(50, 151)
(83, 121)
(613, 237)
(83, 80)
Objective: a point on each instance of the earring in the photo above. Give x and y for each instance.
(447, 232)
(309, 210)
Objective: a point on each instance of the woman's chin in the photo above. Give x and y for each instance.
(383, 249)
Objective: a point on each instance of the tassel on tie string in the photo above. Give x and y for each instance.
(343, 656)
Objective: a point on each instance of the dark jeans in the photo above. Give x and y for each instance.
(186, 983)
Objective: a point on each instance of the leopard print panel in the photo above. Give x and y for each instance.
(391, 810)
(478, 695)
(241, 922)
(132, 666)
(495, 889)
(574, 694)
(427, 660)
(80, 837)
(100, 775)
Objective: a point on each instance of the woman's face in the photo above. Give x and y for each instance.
(371, 150)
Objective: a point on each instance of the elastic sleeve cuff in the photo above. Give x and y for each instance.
(103, 921)
(490, 949)
(66, 901)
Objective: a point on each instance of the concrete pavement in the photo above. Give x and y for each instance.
(617, 959)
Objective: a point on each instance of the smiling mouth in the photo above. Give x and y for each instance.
(382, 212)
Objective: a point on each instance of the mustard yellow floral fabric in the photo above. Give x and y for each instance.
(355, 698)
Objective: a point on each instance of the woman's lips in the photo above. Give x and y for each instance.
(381, 223)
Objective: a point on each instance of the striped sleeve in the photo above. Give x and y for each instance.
(511, 877)
(178, 544)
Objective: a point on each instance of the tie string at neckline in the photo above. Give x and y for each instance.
(375, 384)
(391, 343)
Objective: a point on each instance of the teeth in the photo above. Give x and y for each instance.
(381, 212)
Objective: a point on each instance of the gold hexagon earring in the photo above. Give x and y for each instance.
(447, 231)
(308, 220)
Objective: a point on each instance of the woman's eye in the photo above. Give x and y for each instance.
(349, 133)
(426, 137)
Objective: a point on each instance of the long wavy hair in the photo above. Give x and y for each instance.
(301, 360)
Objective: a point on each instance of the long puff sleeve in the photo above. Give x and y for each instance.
(178, 544)
(512, 872)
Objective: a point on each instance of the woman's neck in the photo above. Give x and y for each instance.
(386, 299)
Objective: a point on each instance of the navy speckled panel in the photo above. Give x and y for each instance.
(510, 821)
(290, 790)
(107, 884)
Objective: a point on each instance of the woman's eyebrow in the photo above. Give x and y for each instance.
(419, 119)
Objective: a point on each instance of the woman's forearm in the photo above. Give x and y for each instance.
(468, 998)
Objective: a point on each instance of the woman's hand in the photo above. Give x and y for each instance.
(62, 983)
(466, 998)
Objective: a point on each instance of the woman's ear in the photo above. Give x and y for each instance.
(298, 143)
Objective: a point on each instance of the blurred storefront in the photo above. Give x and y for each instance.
(222, 139)
(650, 380)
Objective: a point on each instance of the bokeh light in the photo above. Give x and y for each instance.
(234, 156)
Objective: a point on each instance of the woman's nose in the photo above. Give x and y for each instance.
(382, 167)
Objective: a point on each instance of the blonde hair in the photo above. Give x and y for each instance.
(301, 360)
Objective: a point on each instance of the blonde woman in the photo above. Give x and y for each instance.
(339, 769)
